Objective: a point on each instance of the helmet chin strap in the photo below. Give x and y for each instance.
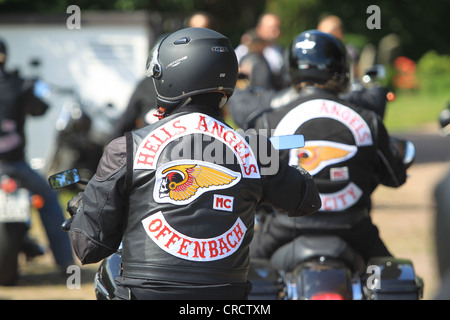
(171, 106)
(162, 112)
(223, 100)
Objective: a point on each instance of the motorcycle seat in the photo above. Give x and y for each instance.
(308, 247)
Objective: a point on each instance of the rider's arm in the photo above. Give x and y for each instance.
(392, 171)
(34, 105)
(96, 230)
(291, 190)
(286, 188)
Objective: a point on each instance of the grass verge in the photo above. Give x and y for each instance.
(411, 110)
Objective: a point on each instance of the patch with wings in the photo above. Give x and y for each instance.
(181, 182)
(317, 155)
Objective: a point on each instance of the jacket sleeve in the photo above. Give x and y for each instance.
(96, 230)
(392, 169)
(288, 189)
(291, 190)
(34, 105)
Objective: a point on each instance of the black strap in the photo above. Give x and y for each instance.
(129, 153)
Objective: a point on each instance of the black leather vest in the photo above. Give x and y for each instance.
(341, 153)
(195, 185)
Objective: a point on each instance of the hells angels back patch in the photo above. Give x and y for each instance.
(320, 154)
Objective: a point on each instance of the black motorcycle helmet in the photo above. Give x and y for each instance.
(319, 58)
(191, 62)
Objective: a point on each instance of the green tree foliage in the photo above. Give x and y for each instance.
(433, 72)
(422, 26)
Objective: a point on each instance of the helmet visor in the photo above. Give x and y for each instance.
(153, 67)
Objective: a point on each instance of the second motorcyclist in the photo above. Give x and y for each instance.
(347, 149)
(17, 101)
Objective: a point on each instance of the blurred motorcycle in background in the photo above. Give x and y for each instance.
(82, 131)
(369, 93)
(16, 203)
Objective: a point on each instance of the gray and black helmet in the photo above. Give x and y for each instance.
(190, 62)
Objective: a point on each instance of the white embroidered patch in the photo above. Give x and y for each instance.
(320, 108)
(339, 174)
(193, 249)
(150, 148)
(224, 203)
(342, 199)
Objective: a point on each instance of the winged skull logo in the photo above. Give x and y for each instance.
(183, 182)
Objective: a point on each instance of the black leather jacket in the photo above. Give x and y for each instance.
(181, 196)
(348, 152)
(17, 100)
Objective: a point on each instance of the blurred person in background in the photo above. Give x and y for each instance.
(442, 236)
(373, 97)
(17, 100)
(201, 19)
(268, 29)
(253, 66)
(333, 25)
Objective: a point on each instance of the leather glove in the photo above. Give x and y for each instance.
(66, 224)
(311, 201)
(73, 207)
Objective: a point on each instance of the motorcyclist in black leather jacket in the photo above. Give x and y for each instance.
(17, 101)
(180, 194)
(347, 149)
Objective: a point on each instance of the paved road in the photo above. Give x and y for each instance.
(430, 146)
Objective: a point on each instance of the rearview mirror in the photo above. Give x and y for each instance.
(375, 72)
(64, 179)
(410, 153)
(444, 120)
